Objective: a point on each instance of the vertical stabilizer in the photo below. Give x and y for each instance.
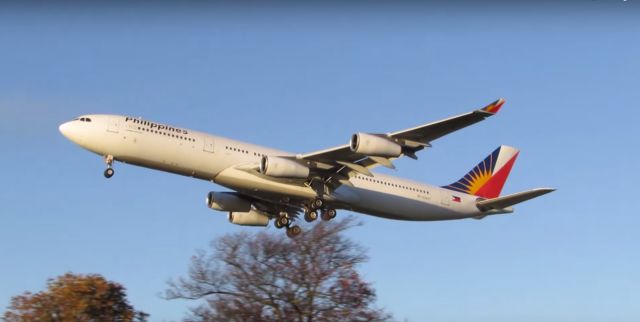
(488, 177)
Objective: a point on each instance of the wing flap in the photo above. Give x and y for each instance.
(512, 199)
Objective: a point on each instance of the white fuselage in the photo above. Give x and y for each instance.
(232, 164)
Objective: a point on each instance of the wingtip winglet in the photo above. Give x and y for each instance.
(494, 107)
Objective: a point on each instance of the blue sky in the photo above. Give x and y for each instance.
(303, 78)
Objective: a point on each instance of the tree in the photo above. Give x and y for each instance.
(72, 298)
(265, 277)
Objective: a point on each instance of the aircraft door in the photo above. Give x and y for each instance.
(445, 198)
(208, 144)
(114, 124)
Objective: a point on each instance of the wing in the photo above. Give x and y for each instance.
(342, 161)
(429, 132)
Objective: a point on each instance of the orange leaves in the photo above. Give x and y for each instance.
(72, 297)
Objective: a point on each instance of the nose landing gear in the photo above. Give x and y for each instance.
(109, 172)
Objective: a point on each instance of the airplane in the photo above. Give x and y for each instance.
(274, 185)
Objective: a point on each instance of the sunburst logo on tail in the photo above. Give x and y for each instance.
(488, 177)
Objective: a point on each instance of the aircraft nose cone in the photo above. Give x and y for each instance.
(65, 129)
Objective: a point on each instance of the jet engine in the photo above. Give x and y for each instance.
(373, 145)
(227, 201)
(250, 218)
(283, 168)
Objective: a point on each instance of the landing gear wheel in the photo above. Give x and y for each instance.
(108, 173)
(294, 231)
(282, 221)
(311, 216)
(277, 224)
(317, 203)
(329, 214)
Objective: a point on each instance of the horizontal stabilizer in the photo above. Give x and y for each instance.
(510, 200)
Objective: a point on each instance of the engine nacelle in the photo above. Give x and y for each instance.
(374, 145)
(227, 201)
(250, 218)
(283, 168)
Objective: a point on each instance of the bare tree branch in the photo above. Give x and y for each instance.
(265, 277)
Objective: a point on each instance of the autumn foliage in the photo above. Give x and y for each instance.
(73, 298)
(266, 277)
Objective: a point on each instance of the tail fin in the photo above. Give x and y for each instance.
(488, 177)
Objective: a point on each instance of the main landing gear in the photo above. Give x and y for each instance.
(293, 231)
(283, 221)
(311, 213)
(329, 214)
(109, 172)
(318, 205)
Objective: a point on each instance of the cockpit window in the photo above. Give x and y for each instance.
(88, 119)
(85, 119)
